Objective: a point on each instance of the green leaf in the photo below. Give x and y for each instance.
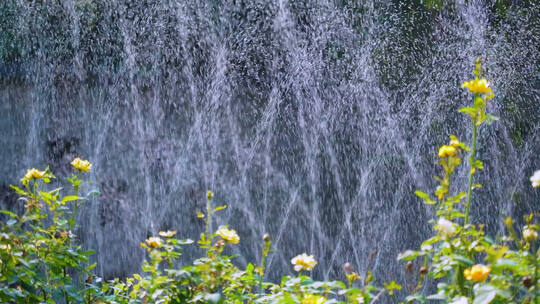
(47, 197)
(437, 296)
(478, 164)
(463, 260)
(430, 241)
(218, 208)
(91, 266)
(250, 267)
(484, 294)
(70, 198)
(185, 242)
(408, 255)
(18, 190)
(459, 300)
(490, 118)
(469, 111)
(456, 213)
(213, 298)
(11, 214)
(425, 197)
(416, 297)
(24, 262)
(93, 192)
(11, 222)
(507, 264)
(391, 287)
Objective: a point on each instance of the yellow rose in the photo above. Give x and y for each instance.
(477, 86)
(32, 174)
(228, 235)
(353, 276)
(530, 234)
(81, 164)
(445, 151)
(477, 273)
(303, 262)
(154, 242)
(313, 299)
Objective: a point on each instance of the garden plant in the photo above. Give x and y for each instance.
(42, 261)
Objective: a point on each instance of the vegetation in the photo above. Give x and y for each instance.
(40, 262)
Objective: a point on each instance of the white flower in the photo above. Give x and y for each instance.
(446, 227)
(535, 179)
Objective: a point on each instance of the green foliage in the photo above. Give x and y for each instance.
(41, 262)
(469, 266)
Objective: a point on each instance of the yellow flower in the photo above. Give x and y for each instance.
(477, 86)
(445, 151)
(353, 276)
(530, 234)
(535, 179)
(313, 299)
(477, 273)
(228, 235)
(168, 233)
(303, 262)
(153, 242)
(32, 174)
(81, 164)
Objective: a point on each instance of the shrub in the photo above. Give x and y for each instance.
(39, 254)
(469, 266)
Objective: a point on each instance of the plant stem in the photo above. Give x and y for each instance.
(471, 172)
(535, 278)
(208, 217)
(266, 250)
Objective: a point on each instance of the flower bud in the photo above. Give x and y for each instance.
(266, 237)
(347, 267)
(527, 281)
(409, 266)
(209, 195)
